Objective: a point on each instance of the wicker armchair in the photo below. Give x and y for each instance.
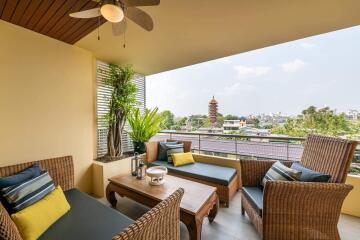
(301, 210)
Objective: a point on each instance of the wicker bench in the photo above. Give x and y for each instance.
(161, 222)
(227, 184)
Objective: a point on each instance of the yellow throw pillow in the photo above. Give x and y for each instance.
(37, 218)
(180, 159)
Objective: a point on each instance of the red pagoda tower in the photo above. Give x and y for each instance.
(213, 108)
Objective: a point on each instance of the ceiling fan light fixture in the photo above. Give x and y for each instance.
(112, 11)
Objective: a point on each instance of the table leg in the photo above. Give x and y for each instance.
(110, 195)
(194, 227)
(213, 210)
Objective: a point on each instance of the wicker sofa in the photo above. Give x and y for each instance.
(82, 221)
(222, 173)
(299, 210)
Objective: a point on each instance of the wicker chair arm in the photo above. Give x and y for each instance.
(310, 210)
(161, 223)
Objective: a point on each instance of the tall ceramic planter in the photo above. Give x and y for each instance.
(139, 147)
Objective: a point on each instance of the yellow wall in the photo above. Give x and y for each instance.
(351, 204)
(46, 101)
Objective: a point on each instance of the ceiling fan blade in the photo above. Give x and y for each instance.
(133, 3)
(95, 12)
(140, 17)
(119, 28)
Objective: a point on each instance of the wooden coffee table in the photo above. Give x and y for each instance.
(199, 200)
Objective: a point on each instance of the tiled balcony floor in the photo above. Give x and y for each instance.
(230, 224)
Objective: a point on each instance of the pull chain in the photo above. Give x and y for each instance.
(98, 29)
(124, 39)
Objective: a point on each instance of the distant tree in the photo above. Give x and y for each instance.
(206, 123)
(168, 119)
(256, 122)
(312, 120)
(179, 123)
(231, 117)
(219, 120)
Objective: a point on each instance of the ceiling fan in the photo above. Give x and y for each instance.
(115, 12)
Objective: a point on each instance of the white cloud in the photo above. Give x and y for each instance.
(235, 89)
(244, 71)
(293, 66)
(307, 45)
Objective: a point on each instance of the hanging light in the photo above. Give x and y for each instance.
(112, 11)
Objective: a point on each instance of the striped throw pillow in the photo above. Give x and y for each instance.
(27, 193)
(174, 148)
(280, 172)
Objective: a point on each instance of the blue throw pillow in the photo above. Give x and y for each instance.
(280, 172)
(162, 153)
(173, 148)
(27, 193)
(20, 177)
(309, 175)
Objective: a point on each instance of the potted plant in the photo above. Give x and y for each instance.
(122, 102)
(143, 127)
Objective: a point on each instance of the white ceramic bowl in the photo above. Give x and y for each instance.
(156, 175)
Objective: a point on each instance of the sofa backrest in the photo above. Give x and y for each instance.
(61, 169)
(152, 149)
(329, 155)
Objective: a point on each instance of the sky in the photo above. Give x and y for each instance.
(323, 70)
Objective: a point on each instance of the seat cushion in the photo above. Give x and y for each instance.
(207, 172)
(255, 196)
(87, 219)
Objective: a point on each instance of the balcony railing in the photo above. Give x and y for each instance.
(246, 147)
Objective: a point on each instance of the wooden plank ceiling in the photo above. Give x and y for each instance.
(50, 17)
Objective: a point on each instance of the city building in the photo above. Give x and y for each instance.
(234, 125)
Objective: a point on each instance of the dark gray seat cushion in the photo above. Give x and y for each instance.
(207, 172)
(87, 219)
(255, 196)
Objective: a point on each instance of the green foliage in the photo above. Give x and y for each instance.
(231, 117)
(144, 126)
(168, 120)
(219, 120)
(320, 121)
(123, 97)
(254, 121)
(121, 103)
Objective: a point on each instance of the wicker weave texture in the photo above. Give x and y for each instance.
(300, 210)
(61, 169)
(161, 223)
(329, 155)
(8, 230)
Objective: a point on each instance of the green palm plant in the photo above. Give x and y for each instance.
(143, 127)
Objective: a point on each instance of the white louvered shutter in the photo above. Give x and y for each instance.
(103, 94)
